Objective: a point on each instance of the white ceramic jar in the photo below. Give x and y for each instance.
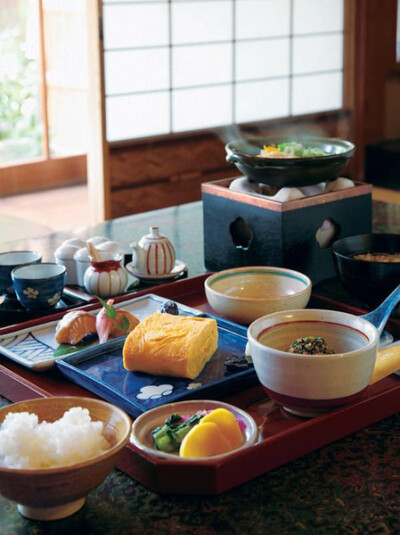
(106, 278)
(64, 256)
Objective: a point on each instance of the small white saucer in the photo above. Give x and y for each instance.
(177, 270)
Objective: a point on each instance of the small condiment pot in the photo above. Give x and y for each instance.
(154, 254)
(106, 278)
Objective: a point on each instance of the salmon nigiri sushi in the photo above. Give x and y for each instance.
(74, 326)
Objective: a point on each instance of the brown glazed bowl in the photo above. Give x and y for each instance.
(369, 281)
(53, 493)
(290, 171)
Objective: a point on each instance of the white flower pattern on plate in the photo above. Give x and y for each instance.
(31, 293)
(155, 391)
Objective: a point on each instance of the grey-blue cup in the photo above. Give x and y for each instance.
(39, 286)
(10, 260)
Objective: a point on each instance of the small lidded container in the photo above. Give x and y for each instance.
(64, 256)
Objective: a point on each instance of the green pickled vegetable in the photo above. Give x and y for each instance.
(169, 436)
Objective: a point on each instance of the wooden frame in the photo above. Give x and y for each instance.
(44, 172)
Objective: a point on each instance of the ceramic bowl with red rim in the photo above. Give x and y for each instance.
(141, 436)
(307, 384)
(246, 293)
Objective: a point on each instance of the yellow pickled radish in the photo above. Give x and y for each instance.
(227, 424)
(204, 440)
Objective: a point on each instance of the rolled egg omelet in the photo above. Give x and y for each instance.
(163, 344)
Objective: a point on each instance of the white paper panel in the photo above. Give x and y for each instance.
(201, 108)
(318, 92)
(317, 53)
(201, 22)
(136, 70)
(129, 25)
(311, 16)
(262, 100)
(262, 18)
(137, 116)
(201, 64)
(260, 59)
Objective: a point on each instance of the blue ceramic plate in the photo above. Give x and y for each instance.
(101, 371)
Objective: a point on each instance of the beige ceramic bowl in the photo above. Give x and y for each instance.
(53, 493)
(310, 384)
(247, 293)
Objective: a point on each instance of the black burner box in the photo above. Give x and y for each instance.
(241, 229)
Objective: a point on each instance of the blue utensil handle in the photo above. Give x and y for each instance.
(380, 315)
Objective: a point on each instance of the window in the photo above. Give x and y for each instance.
(43, 93)
(186, 65)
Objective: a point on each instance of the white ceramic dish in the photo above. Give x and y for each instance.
(147, 422)
(34, 347)
(177, 270)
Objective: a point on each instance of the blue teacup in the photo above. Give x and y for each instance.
(10, 260)
(39, 286)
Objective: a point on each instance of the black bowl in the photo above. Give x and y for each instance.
(290, 171)
(371, 282)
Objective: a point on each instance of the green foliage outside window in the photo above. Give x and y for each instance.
(20, 127)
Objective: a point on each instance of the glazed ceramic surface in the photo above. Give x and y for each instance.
(153, 255)
(107, 278)
(147, 422)
(245, 294)
(313, 382)
(9, 261)
(53, 493)
(39, 286)
(290, 171)
(64, 255)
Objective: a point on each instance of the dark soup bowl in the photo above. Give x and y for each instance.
(299, 171)
(370, 277)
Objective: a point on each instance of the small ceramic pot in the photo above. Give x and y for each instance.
(9, 261)
(154, 254)
(39, 286)
(106, 278)
(64, 256)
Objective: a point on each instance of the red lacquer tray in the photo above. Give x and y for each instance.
(282, 437)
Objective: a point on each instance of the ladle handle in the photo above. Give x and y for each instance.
(380, 315)
(387, 362)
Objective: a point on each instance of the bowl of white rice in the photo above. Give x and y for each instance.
(54, 451)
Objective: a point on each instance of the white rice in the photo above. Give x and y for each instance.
(26, 443)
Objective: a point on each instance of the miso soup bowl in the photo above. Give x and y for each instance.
(246, 293)
(310, 384)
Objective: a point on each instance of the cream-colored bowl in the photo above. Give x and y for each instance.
(310, 384)
(53, 493)
(247, 293)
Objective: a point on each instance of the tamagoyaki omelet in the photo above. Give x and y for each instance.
(165, 344)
